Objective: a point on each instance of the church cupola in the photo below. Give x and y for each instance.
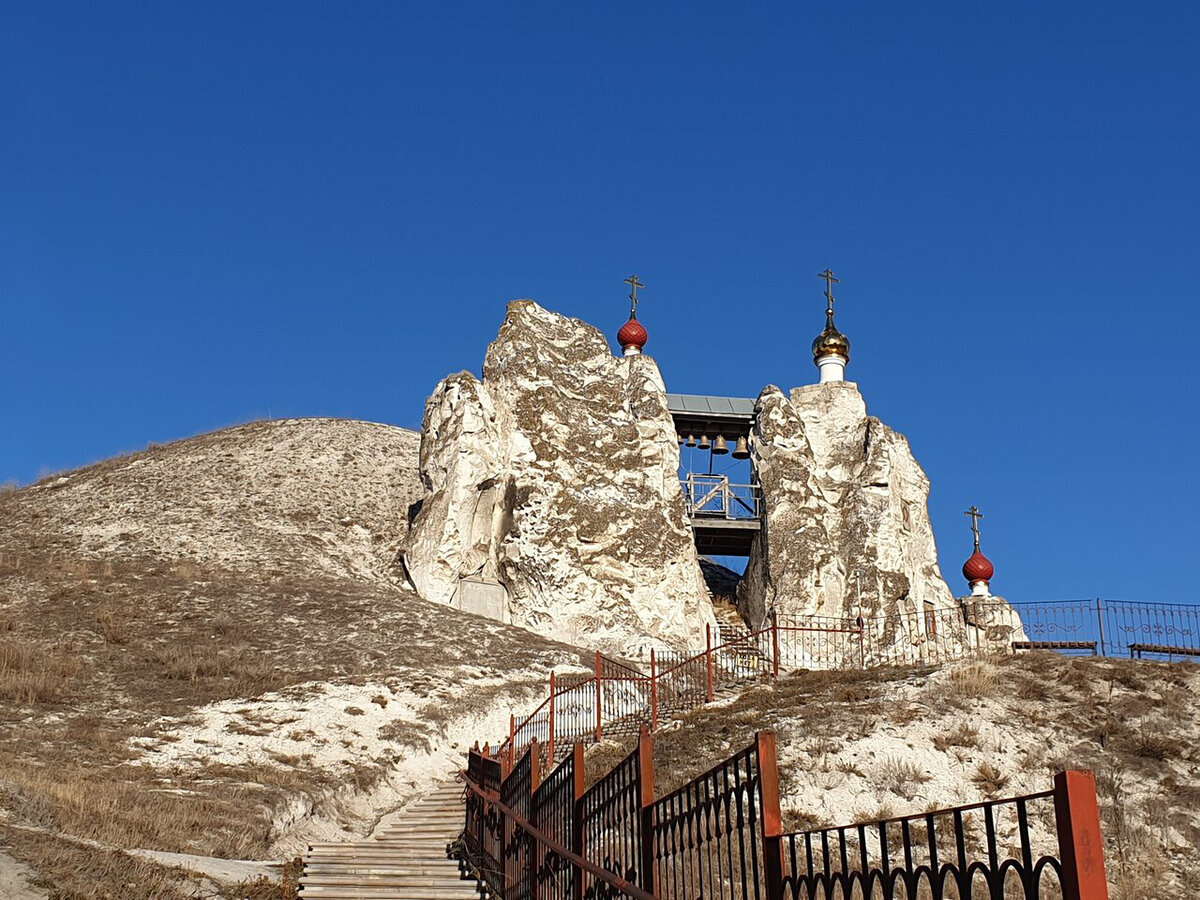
(831, 349)
(633, 336)
(978, 570)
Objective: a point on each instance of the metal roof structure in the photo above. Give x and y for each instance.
(699, 406)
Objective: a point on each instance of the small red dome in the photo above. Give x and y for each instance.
(978, 568)
(632, 334)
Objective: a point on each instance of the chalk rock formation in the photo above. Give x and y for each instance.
(551, 491)
(844, 498)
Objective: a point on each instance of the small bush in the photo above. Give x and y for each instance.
(990, 779)
(961, 735)
(901, 777)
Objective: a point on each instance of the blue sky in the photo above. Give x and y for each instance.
(217, 212)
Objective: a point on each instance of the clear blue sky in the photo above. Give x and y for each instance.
(216, 212)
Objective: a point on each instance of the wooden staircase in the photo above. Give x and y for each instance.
(405, 860)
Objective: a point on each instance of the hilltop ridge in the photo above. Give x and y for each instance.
(294, 495)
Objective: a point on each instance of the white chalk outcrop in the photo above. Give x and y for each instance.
(552, 496)
(847, 528)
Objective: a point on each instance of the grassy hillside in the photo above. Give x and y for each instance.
(204, 650)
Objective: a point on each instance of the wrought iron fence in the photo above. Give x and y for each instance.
(707, 836)
(1043, 845)
(1164, 631)
(720, 836)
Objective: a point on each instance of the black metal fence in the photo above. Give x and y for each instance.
(720, 836)
(1041, 846)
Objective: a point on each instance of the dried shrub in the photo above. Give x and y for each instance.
(961, 735)
(976, 681)
(1153, 744)
(900, 777)
(990, 779)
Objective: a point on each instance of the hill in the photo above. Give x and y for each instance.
(858, 746)
(205, 650)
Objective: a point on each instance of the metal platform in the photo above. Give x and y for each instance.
(724, 537)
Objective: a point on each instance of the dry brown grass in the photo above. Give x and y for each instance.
(30, 673)
(974, 681)
(963, 734)
(113, 618)
(72, 871)
(900, 777)
(990, 779)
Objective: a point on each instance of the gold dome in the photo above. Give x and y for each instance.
(831, 342)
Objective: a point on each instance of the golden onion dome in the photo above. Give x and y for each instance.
(831, 342)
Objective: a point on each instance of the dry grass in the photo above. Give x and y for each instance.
(113, 618)
(72, 871)
(30, 673)
(974, 681)
(900, 777)
(990, 779)
(963, 734)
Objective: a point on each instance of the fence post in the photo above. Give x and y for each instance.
(646, 802)
(1100, 621)
(772, 815)
(577, 842)
(550, 738)
(653, 691)
(712, 688)
(512, 742)
(599, 702)
(1080, 844)
(862, 642)
(774, 644)
(533, 845)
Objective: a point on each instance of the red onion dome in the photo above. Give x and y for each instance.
(978, 568)
(632, 334)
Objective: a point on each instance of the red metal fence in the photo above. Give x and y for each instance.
(618, 698)
(720, 836)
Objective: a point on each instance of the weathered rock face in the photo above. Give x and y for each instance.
(554, 479)
(847, 521)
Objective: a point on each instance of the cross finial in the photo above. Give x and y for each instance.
(830, 281)
(633, 283)
(975, 515)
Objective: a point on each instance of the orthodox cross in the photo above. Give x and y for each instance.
(975, 515)
(830, 281)
(633, 282)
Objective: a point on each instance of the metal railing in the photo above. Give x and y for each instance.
(720, 836)
(618, 698)
(716, 496)
(1040, 845)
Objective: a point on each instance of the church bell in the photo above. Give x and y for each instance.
(691, 441)
(704, 444)
(742, 450)
(719, 446)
